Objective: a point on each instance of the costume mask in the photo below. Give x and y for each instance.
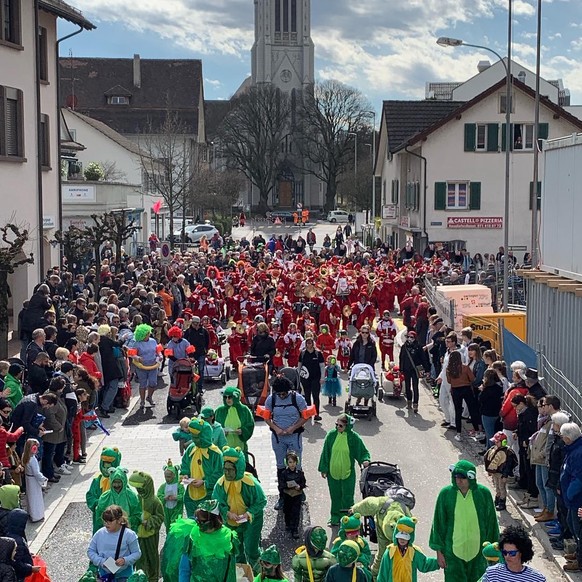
(346, 555)
(319, 538)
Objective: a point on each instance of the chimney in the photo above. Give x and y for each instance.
(136, 71)
(483, 66)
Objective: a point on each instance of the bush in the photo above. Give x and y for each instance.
(94, 172)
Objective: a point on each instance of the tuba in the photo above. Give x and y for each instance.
(347, 310)
(372, 278)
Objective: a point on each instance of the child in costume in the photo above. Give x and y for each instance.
(347, 569)
(325, 342)
(500, 462)
(236, 419)
(35, 481)
(291, 485)
(201, 466)
(402, 560)
(270, 562)
(146, 359)
(171, 495)
(332, 387)
(148, 532)
(242, 502)
(120, 493)
(218, 436)
(210, 551)
(312, 560)
(350, 530)
(183, 435)
(344, 348)
(110, 458)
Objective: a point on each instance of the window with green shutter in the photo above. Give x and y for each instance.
(440, 195)
(492, 137)
(538, 195)
(543, 130)
(475, 196)
(470, 137)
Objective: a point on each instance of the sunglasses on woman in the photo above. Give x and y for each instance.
(511, 553)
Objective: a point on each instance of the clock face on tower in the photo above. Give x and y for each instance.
(286, 75)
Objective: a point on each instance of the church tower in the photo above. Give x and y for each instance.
(283, 55)
(283, 52)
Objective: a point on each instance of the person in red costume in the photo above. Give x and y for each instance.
(344, 347)
(280, 313)
(325, 342)
(238, 303)
(330, 313)
(293, 341)
(408, 307)
(363, 310)
(238, 344)
(206, 323)
(386, 295)
(305, 321)
(386, 331)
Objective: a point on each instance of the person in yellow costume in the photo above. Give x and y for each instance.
(464, 518)
(242, 501)
(201, 466)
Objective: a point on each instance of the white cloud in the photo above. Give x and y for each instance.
(213, 82)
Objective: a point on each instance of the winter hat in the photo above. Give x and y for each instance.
(498, 437)
(207, 412)
(141, 331)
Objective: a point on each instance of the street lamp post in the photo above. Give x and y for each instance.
(355, 159)
(454, 42)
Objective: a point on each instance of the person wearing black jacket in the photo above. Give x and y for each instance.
(39, 373)
(112, 372)
(263, 345)
(363, 349)
(16, 529)
(527, 425)
(490, 398)
(411, 361)
(198, 337)
(25, 415)
(37, 306)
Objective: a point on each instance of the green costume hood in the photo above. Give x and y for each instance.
(465, 468)
(118, 474)
(9, 496)
(351, 422)
(143, 483)
(234, 392)
(110, 457)
(349, 523)
(492, 553)
(171, 467)
(271, 555)
(348, 553)
(405, 526)
(138, 576)
(141, 332)
(201, 433)
(237, 457)
(88, 577)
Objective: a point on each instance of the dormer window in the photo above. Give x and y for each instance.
(118, 100)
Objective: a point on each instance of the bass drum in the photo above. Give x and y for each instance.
(298, 306)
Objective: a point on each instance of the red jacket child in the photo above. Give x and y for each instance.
(325, 342)
(293, 342)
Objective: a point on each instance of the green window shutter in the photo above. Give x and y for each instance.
(475, 196)
(470, 137)
(543, 130)
(503, 137)
(416, 195)
(538, 196)
(397, 197)
(440, 195)
(492, 137)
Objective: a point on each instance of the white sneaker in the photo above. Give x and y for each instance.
(457, 437)
(62, 470)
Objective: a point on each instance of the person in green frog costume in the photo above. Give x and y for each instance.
(236, 419)
(201, 466)
(121, 494)
(270, 562)
(347, 569)
(242, 501)
(138, 576)
(209, 550)
(350, 530)
(148, 532)
(218, 436)
(171, 495)
(110, 458)
(312, 561)
(386, 511)
(464, 518)
(341, 449)
(88, 577)
(403, 560)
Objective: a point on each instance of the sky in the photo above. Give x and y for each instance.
(385, 48)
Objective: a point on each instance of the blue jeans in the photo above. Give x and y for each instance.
(575, 526)
(108, 394)
(548, 495)
(201, 360)
(489, 423)
(283, 444)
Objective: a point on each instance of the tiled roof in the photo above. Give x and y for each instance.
(405, 119)
(164, 85)
(64, 10)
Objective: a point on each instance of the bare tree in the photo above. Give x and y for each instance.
(74, 246)
(120, 230)
(252, 135)
(166, 157)
(218, 190)
(326, 116)
(12, 256)
(111, 173)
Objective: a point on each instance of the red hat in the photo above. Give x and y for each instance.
(278, 299)
(412, 334)
(363, 293)
(187, 311)
(328, 291)
(175, 331)
(203, 291)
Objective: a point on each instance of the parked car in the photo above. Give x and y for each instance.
(337, 216)
(194, 232)
(284, 215)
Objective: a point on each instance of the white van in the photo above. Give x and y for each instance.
(337, 216)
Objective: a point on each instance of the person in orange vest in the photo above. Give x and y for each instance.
(295, 218)
(304, 216)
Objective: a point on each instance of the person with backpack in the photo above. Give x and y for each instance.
(500, 462)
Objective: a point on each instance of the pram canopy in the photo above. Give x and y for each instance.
(362, 381)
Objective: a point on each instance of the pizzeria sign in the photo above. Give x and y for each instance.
(475, 222)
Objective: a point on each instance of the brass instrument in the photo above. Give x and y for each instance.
(249, 270)
(371, 281)
(347, 310)
(310, 291)
(323, 272)
(228, 290)
(299, 276)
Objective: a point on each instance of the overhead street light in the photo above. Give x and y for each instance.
(455, 42)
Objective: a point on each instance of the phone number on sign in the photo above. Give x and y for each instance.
(474, 222)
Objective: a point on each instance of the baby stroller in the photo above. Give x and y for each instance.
(380, 479)
(292, 375)
(216, 369)
(253, 381)
(183, 390)
(363, 386)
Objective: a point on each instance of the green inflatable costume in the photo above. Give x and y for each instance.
(312, 561)
(386, 511)
(120, 494)
(88, 577)
(148, 532)
(402, 562)
(218, 436)
(350, 530)
(235, 416)
(171, 495)
(201, 464)
(138, 576)
(242, 501)
(462, 523)
(341, 449)
(347, 569)
(176, 540)
(110, 458)
(270, 561)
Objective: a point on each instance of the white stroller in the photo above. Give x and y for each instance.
(363, 385)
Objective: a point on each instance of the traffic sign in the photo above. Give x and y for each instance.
(165, 252)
